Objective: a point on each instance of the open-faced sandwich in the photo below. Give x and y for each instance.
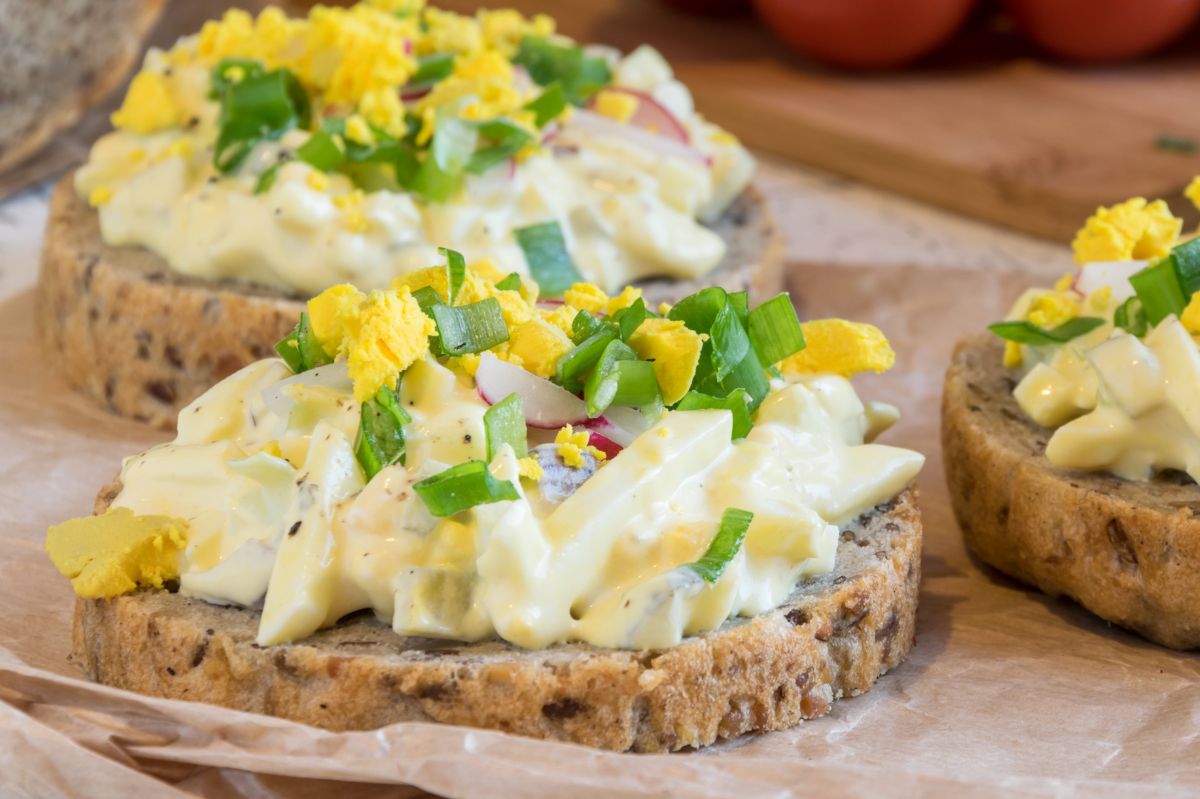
(265, 159)
(588, 521)
(1072, 431)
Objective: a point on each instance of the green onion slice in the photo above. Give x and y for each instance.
(456, 271)
(600, 388)
(573, 366)
(1025, 332)
(548, 105)
(730, 342)
(300, 349)
(322, 151)
(546, 253)
(380, 439)
(737, 402)
(636, 384)
(735, 524)
(629, 319)
(260, 107)
(1186, 258)
(219, 80)
(469, 328)
(508, 138)
(439, 175)
(267, 179)
(1158, 288)
(774, 330)
(431, 69)
(1130, 317)
(504, 423)
(584, 325)
(698, 311)
(463, 487)
(510, 283)
(550, 62)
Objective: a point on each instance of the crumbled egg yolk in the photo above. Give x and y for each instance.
(537, 346)
(1192, 192)
(529, 468)
(481, 87)
(381, 334)
(593, 299)
(514, 307)
(840, 347)
(674, 350)
(99, 196)
(351, 205)
(117, 552)
(1132, 229)
(149, 105)
(571, 446)
(1190, 318)
(620, 106)
(358, 131)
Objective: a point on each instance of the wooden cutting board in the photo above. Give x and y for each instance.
(987, 128)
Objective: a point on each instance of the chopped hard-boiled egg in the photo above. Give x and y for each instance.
(839, 347)
(1134, 229)
(117, 552)
(674, 350)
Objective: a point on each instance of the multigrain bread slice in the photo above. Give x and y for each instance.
(58, 58)
(832, 638)
(145, 342)
(1128, 551)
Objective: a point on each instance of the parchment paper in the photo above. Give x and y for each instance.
(1007, 692)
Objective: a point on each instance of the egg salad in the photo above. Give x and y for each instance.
(299, 153)
(469, 462)
(1108, 358)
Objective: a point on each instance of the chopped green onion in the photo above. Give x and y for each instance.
(1186, 259)
(572, 367)
(740, 300)
(600, 388)
(380, 440)
(440, 174)
(300, 348)
(456, 272)
(584, 325)
(636, 384)
(629, 319)
(267, 179)
(219, 80)
(509, 138)
(698, 311)
(1130, 317)
(510, 283)
(504, 423)
(463, 487)
(469, 328)
(775, 331)
(749, 376)
(737, 402)
(1158, 288)
(258, 108)
(322, 151)
(1028, 333)
(550, 62)
(431, 69)
(735, 524)
(547, 105)
(546, 253)
(730, 342)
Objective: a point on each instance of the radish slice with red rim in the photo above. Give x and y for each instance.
(606, 445)
(651, 115)
(547, 405)
(584, 122)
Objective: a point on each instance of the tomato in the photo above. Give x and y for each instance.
(864, 33)
(1103, 30)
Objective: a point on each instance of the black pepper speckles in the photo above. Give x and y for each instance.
(295, 528)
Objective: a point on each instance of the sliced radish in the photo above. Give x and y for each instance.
(604, 444)
(415, 92)
(1112, 274)
(335, 376)
(586, 123)
(619, 424)
(651, 115)
(547, 406)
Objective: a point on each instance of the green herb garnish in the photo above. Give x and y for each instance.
(725, 545)
(737, 402)
(504, 423)
(262, 106)
(1175, 144)
(774, 330)
(1024, 332)
(470, 328)
(1158, 288)
(463, 487)
(549, 62)
(300, 349)
(1130, 317)
(546, 254)
(380, 439)
(456, 272)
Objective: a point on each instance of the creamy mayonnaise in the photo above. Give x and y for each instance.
(263, 471)
(1117, 403)
(626, 212)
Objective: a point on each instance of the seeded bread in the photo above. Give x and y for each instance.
(1128, 551)
(59, 58)
(145, 342)
(832, 638)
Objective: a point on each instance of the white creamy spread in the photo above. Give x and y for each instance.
(264, 473)
(1117, 403)
(626, 211)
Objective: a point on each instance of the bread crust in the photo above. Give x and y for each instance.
(833, 637)
(1128, 551)
(144, 341)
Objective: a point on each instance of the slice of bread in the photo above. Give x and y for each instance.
(59, 58)
(1128, 551)
(832, 638)
(145, 342)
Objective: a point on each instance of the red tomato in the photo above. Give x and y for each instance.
(864, 33)
(1103, 30)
